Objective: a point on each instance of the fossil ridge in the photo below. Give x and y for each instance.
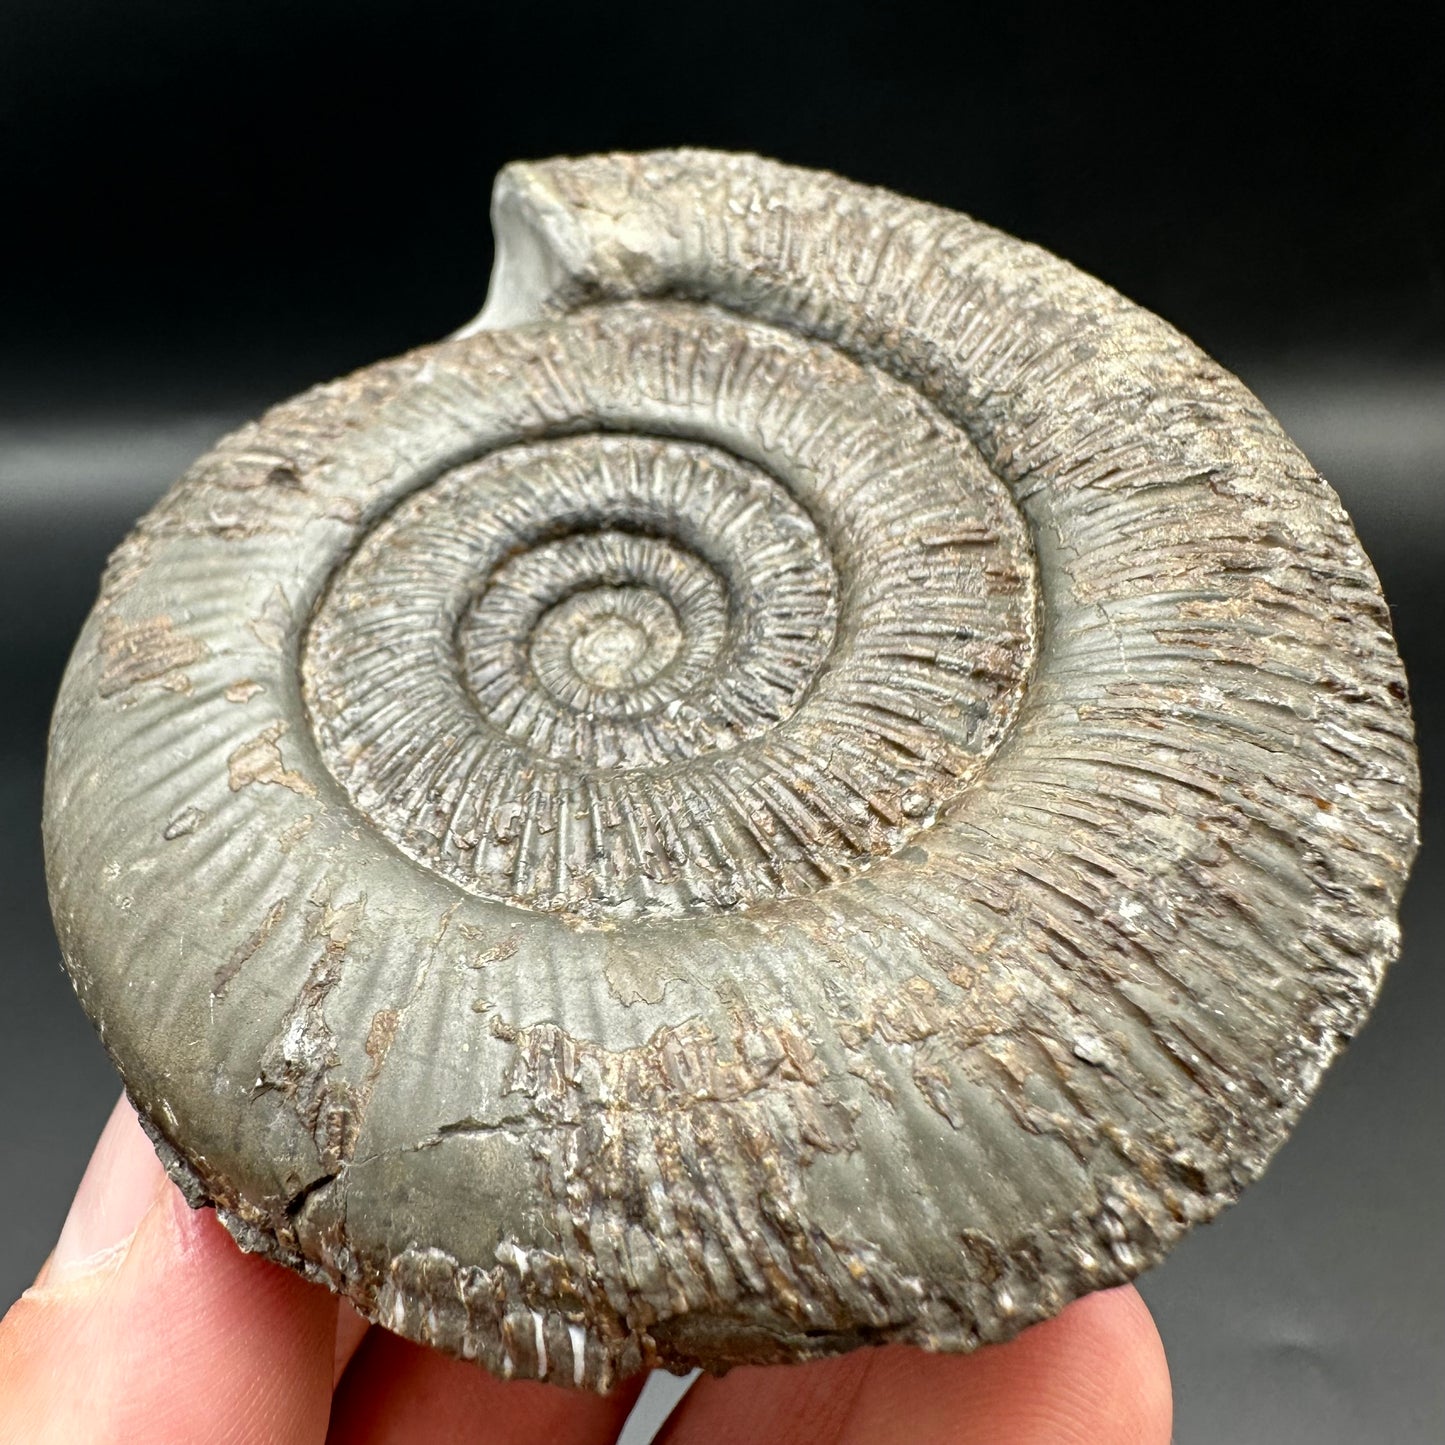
(815, 777)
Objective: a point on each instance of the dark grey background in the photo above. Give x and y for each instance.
(212, 206)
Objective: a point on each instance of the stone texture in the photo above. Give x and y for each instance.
(815, 777)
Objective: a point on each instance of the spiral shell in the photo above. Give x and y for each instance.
(816, 777)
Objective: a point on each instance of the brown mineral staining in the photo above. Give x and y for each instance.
(639, 976)
(380, 1036)
(379, 1039)
(148, 650)
(686, 1067)
(302, 1055)
(260, 761)
(499, 952)
(295, 833)
(867, 782)
(125, 566)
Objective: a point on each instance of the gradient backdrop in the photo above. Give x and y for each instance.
(208, 207)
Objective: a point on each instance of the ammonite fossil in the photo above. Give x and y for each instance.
(816, 777)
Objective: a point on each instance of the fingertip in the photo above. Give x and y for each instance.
(351, 1328)
(1094, 1373)
(172, 1334)
(120, 1183)
(1151, 1388)
(1098, 1369)
(396, 1392)
(243, 1338)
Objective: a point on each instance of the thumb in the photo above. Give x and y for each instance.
(120, 1184)
(147, 1323)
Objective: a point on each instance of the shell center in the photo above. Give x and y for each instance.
(610, 638)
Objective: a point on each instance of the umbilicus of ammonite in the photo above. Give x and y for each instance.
(814, 777)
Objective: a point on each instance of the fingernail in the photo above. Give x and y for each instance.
(121, 1182)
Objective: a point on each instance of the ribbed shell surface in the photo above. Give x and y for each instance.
(816, 777)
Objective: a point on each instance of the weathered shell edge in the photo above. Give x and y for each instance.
(1336, 1015)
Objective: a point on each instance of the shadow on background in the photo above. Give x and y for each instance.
(214, 207)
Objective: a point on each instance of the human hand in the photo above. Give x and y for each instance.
(147, 1326)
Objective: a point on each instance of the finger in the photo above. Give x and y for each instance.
(1095, 1374)
(149, 1324)
(397, 1393)
(119, 1185)
(351, 1329)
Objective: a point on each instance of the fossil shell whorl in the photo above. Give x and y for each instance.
(626, 675)
(817, 777)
